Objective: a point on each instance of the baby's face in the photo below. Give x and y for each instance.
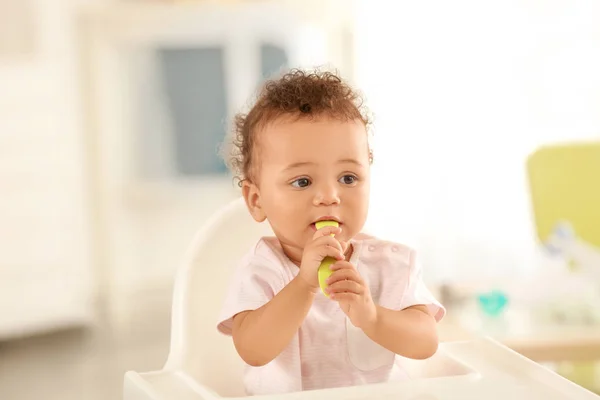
(311, 170)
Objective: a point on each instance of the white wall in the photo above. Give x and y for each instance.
(463, 92)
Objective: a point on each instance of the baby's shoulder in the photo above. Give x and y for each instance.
(266, 254)
(267, 247)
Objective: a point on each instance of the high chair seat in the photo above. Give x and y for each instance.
(203, 365)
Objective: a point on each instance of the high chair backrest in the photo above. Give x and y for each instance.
(200, 286)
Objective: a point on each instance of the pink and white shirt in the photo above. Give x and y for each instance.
(327, 351)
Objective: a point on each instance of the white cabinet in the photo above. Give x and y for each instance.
(46, 271)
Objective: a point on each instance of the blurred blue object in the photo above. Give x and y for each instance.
(493, 303)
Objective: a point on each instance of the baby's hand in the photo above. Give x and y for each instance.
(320, 246)
(353, 295)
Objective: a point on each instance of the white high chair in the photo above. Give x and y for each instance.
(203, 364)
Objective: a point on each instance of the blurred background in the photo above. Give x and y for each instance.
(487, 161)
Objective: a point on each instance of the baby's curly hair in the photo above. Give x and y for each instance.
(298, 94)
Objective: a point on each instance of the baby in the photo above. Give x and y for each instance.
(302, 155)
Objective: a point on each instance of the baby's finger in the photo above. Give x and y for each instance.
(342, 275)
(330, 251)
(344, 297)
(329, 241)
(342, 265)
(327, 231)
(345, 286)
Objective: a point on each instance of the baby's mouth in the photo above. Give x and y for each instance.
(314, 226)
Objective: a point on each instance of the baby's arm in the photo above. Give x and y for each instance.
(409, 330)
(410, 333)
(260, 335)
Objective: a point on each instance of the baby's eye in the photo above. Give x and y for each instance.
(348, 179)
(301, 183)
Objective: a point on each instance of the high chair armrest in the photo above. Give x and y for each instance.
(164, 385)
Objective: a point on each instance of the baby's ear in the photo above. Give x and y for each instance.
(251, 195)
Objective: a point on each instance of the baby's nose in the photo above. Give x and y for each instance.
(327, 196)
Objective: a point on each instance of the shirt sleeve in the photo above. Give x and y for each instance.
(255, 283)
(416, 293)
